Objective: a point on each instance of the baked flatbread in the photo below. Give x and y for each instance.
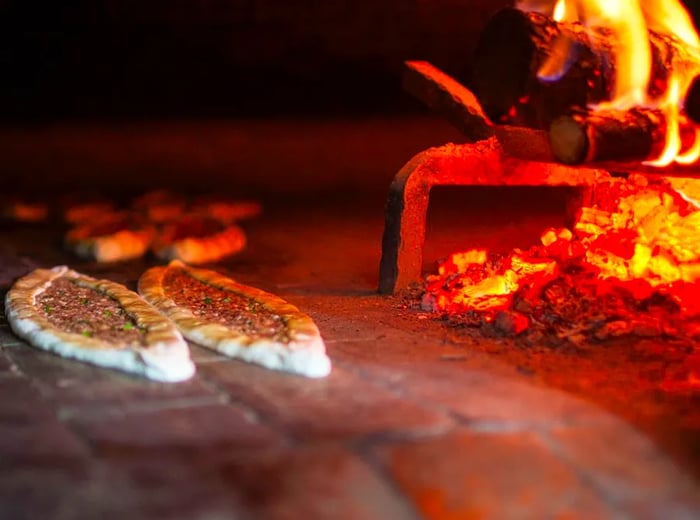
(236, 320)
(87, 211)
(160, 206)
(23, 210)
(225, 210)
(113, 237)
(96, 321)
(197, 239)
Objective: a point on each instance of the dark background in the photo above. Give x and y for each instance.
(180, 58)
(266, 97)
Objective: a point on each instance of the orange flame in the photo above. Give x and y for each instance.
(630, 22)
(640, 234)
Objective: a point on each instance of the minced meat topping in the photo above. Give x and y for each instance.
(81, 310)
(234, 310)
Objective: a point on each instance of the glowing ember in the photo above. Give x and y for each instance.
(640, 241)
(630, 21)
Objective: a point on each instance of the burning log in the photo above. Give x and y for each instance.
(636, 134)
(513, 47)
(631, 135)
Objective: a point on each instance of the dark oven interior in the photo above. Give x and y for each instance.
(299, 106)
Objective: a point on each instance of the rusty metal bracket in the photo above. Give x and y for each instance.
(496, 156)
(483, 163)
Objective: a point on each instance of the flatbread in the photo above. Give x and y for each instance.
(196, 239)
(237, 320)
(226, 210)
(159, 352)
(160, 206)
(111, 238)
(87, 211)
(23, 210)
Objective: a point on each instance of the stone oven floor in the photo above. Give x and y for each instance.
(411, 423)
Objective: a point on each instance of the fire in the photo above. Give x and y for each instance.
(630, 21)
(641, 235)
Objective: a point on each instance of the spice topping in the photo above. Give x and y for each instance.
(234, 310)
(82, 310)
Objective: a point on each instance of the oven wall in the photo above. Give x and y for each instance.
(259, 97)
(131, 58)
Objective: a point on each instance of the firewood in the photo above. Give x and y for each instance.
(447, 97)
(459, 106)
(515, 44)
(611, 135)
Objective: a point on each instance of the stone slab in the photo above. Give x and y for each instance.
(340, 406)
(629, 469)
(226, 427)
(76, 385)
(466, 475)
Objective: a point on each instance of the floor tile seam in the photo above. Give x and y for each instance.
(546, 439)
(460, 419)
(252, 413)
(367, 454)
(107, 410)
(400, 394)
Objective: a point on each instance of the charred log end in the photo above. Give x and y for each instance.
(568, 140)
(614, 135)
(502, 62)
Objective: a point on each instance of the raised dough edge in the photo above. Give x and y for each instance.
(165, 357)
(122, 245)
(207, 249)
(305, 354)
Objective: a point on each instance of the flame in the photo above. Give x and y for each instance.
(630, 21)
(639, 233)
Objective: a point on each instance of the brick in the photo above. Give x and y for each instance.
(7, 367)
(462, 383)
(8, 338)
(113, 491)
(41, 492)
(69, 383)
(312, 482)
(22, 403)
(466, 475)
(488, 398)
(338, 406)
(630, 470)
(223, 426)
(39, 442)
